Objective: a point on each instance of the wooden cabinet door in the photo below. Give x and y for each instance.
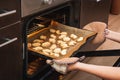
(11, 62)
(9, 12)
(94, 10)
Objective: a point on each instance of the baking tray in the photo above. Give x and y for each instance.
(64, 28)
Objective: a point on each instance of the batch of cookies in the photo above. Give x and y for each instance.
(56, 44)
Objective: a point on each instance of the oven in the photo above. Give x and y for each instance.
(37, 15)
(62, 11)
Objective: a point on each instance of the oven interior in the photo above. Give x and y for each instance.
(39, 22)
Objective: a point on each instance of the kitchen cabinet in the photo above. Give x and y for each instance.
(11, 46)
(94, 10)
(9, 12)
(11, 52)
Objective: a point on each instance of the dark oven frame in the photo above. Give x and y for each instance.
(73, 21)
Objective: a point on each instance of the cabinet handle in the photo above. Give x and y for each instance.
(7, 13)
(8, 42)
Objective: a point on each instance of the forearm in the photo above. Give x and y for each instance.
(111, 73)
(113, 35)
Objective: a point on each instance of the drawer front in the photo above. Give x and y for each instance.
(11, 53)
(9, 12)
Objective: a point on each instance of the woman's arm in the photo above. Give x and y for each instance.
(112, 35)
(106, 72)
(110, 73)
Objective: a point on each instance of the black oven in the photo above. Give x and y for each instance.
(38, 15)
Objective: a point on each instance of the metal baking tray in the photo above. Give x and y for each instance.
(64, 28)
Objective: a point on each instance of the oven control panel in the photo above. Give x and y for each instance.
(29, 7)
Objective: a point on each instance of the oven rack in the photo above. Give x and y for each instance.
(35, 66)
(39, 70)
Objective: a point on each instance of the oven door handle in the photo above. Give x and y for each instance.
(5, 12)
(8, 41)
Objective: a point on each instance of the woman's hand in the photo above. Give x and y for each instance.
(73, 67)
(66, 64)
(112, 35)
